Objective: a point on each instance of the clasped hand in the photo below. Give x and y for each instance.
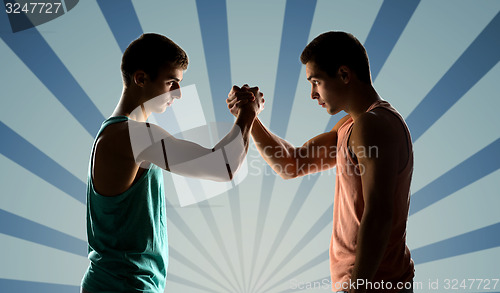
(245, 98)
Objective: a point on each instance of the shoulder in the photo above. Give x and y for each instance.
(143, 132)
(341, 122)
(375, 127)
(113, 138)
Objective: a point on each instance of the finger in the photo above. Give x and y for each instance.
(233, 90)
(245, 96)
(240, 103)
(234, 107)
(232, 103)
(240, 94)
(231, 98)
(254, 89)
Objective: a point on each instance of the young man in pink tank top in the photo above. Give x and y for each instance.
(372, 150)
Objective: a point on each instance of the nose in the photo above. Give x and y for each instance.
(314, 94)
(176, 91)
(177, 94)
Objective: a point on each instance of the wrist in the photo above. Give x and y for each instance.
(247, 112)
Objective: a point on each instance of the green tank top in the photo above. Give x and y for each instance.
(127, 234)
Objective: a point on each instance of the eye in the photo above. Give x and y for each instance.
(315, 82)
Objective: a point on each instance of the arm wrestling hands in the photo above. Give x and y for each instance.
(189, 159)
(246, 98)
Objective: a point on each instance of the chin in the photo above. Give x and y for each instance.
(333, 111)
(160, 110)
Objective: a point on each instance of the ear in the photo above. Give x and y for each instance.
(345, 73)
(139, 78)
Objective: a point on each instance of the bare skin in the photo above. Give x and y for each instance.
(377, 128)
(381, 129)
(114, 168)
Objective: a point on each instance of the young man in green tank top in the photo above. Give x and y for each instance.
(126, 219)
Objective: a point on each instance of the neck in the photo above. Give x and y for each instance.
(361, 99)
(131, 106)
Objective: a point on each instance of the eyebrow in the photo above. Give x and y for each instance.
(311, 77)
(174, 78)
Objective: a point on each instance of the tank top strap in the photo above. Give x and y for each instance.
(106, 123)
(386, 105)
(109, 121)
(389, 107)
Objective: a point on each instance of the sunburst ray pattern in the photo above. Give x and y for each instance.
(436, 61)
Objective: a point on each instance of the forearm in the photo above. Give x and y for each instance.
(244, 121)
(234, 145)
(277, 152)
(373, 237)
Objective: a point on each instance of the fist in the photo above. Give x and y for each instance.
(245, 98)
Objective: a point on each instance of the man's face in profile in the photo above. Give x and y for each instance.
(164, 89)
(324, 88)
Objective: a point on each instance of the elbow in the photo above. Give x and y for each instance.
(229, 177)
(289, 171)
(225, 176)
(288, 176)
(222, 177)
(217, 178)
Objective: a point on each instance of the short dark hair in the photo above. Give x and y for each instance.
(150, 52)
(333, 49)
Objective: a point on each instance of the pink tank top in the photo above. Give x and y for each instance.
(396, 265)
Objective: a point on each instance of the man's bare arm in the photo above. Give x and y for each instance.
(317, 154)
(190, 159)
(378, 177)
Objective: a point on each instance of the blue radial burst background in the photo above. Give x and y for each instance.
(435, 61)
